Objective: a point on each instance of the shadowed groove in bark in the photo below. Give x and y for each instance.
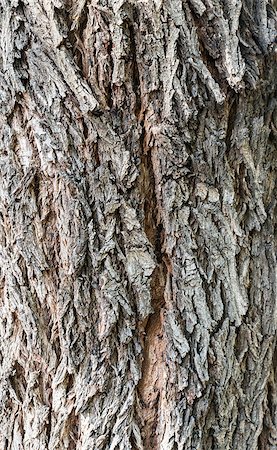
(232, 117)
(151, 384)
(208, 50)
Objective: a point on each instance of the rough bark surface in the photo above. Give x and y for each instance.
(138, 225)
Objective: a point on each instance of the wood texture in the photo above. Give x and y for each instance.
(138, 225)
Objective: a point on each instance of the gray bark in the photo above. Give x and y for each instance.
(138, 225)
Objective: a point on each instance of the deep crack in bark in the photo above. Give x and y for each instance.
(151, 385)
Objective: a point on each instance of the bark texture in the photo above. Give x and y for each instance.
(138, 225)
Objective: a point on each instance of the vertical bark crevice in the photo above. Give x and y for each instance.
(208, 47)
(151, 385)
(231, 119)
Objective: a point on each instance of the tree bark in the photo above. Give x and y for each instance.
(138, 225)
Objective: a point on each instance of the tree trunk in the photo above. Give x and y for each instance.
(137, 215)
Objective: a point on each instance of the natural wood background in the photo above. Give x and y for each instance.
(137, 225)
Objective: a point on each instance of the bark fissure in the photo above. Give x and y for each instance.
(151, 385)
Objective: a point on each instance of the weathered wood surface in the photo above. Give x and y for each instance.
(137, 215)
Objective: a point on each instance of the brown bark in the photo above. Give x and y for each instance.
(138, 225)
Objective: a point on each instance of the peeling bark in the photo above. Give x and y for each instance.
(138, 225)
